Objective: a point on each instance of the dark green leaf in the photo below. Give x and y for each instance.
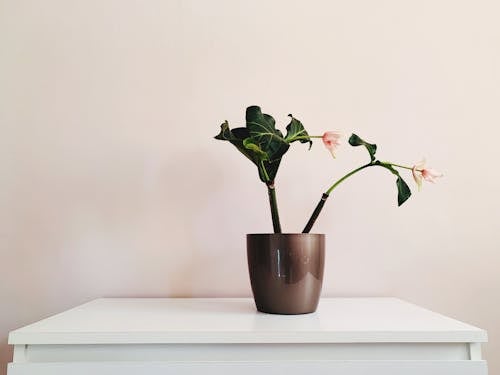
(388, 167)
(272, 168)
(262, 131)
(225, 133)
(264, 134)
(261, 142)
(241, 133)
(297, 132)
(237, 137)
(355, 140)
(404, 191)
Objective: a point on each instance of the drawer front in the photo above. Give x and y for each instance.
(252, 368)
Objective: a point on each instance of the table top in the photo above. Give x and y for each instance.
(235, 320)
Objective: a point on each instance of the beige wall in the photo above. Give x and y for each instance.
(111, 185)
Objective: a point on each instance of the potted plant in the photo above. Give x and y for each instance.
(286, 269)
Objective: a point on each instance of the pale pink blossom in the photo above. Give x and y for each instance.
(420, 172)
(331, 141)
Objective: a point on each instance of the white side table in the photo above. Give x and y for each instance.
(194, 336)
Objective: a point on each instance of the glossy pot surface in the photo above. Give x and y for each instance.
(286, 271)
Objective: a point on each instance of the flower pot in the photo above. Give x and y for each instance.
(286, 271)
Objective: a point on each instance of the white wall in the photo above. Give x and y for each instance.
(111, 185)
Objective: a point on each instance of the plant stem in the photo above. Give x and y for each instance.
(305, 137)
(274, 207)
(347, 176)
(398, 165)
(315, 213)
(325, 196)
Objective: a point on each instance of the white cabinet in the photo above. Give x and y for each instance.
(188, 336)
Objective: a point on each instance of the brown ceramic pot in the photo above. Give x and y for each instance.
(286, 271)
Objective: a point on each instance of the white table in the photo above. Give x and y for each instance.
(346, 336)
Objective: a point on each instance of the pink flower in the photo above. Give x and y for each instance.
(419, 171)
(331, 141)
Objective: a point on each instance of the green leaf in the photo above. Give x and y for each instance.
(236, 137)
(261, 142)
(297, 132)
(404, 191)
(264, 134)
(262, 155)
(225, 133)
(272, 167)
(241, 139)
(355, 140)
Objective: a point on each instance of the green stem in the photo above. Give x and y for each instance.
(330, 189)
(325, 196)
(396, 165)
(271, 191)
(274, 207)
(264, 171)
(304, 137)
